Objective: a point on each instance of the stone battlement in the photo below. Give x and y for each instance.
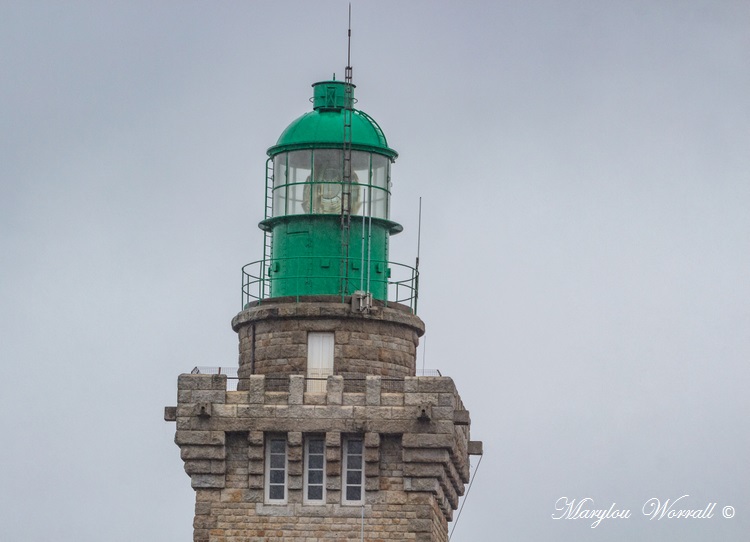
(416, 444)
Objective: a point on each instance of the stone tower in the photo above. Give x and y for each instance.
(329, 435)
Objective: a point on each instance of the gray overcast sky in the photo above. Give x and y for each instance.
(585, 256)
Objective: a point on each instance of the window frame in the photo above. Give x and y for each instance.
(298, 182)
(306, 471)
(347, 456)
(285, 484)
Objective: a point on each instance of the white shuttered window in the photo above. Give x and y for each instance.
(319, 359)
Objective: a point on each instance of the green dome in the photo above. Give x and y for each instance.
(324, 126)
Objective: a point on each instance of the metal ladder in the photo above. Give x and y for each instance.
(265, 285)
(346, 188)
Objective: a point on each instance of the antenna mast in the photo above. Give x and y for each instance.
(348, 71)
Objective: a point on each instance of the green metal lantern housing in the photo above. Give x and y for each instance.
(316, 244)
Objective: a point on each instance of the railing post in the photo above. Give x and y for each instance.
(415, 283)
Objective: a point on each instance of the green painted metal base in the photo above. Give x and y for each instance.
(310, 257)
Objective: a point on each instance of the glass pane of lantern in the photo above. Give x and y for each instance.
(325, 193)
(379, 203)
(279, 182)
(380, 170)
(326, 198)
(360, 199)
(360, 177)
(279, 201)
(279, 169)
(328, 165)
(296, 199)
(299, 166)
(380, 194)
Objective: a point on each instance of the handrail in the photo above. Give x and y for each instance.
(280, 382)
(258, 281)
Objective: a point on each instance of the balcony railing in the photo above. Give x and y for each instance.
(231, 373)
(261, 281)
(353, 383)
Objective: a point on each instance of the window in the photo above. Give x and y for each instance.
(380, 188)
(353, 472)
(319, 359)
(312, 182)
(279, 185)
(276, 469)
(291, 176)
(315, 467)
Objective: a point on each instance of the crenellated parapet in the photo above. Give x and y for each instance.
(418, 424)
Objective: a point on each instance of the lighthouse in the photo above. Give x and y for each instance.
(327, 433)
(328, 195)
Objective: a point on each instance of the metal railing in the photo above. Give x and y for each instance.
(358, 384)
(231, 372)
(353, 383)
(260, 278)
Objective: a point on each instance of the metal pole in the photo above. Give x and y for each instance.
(419, 231)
